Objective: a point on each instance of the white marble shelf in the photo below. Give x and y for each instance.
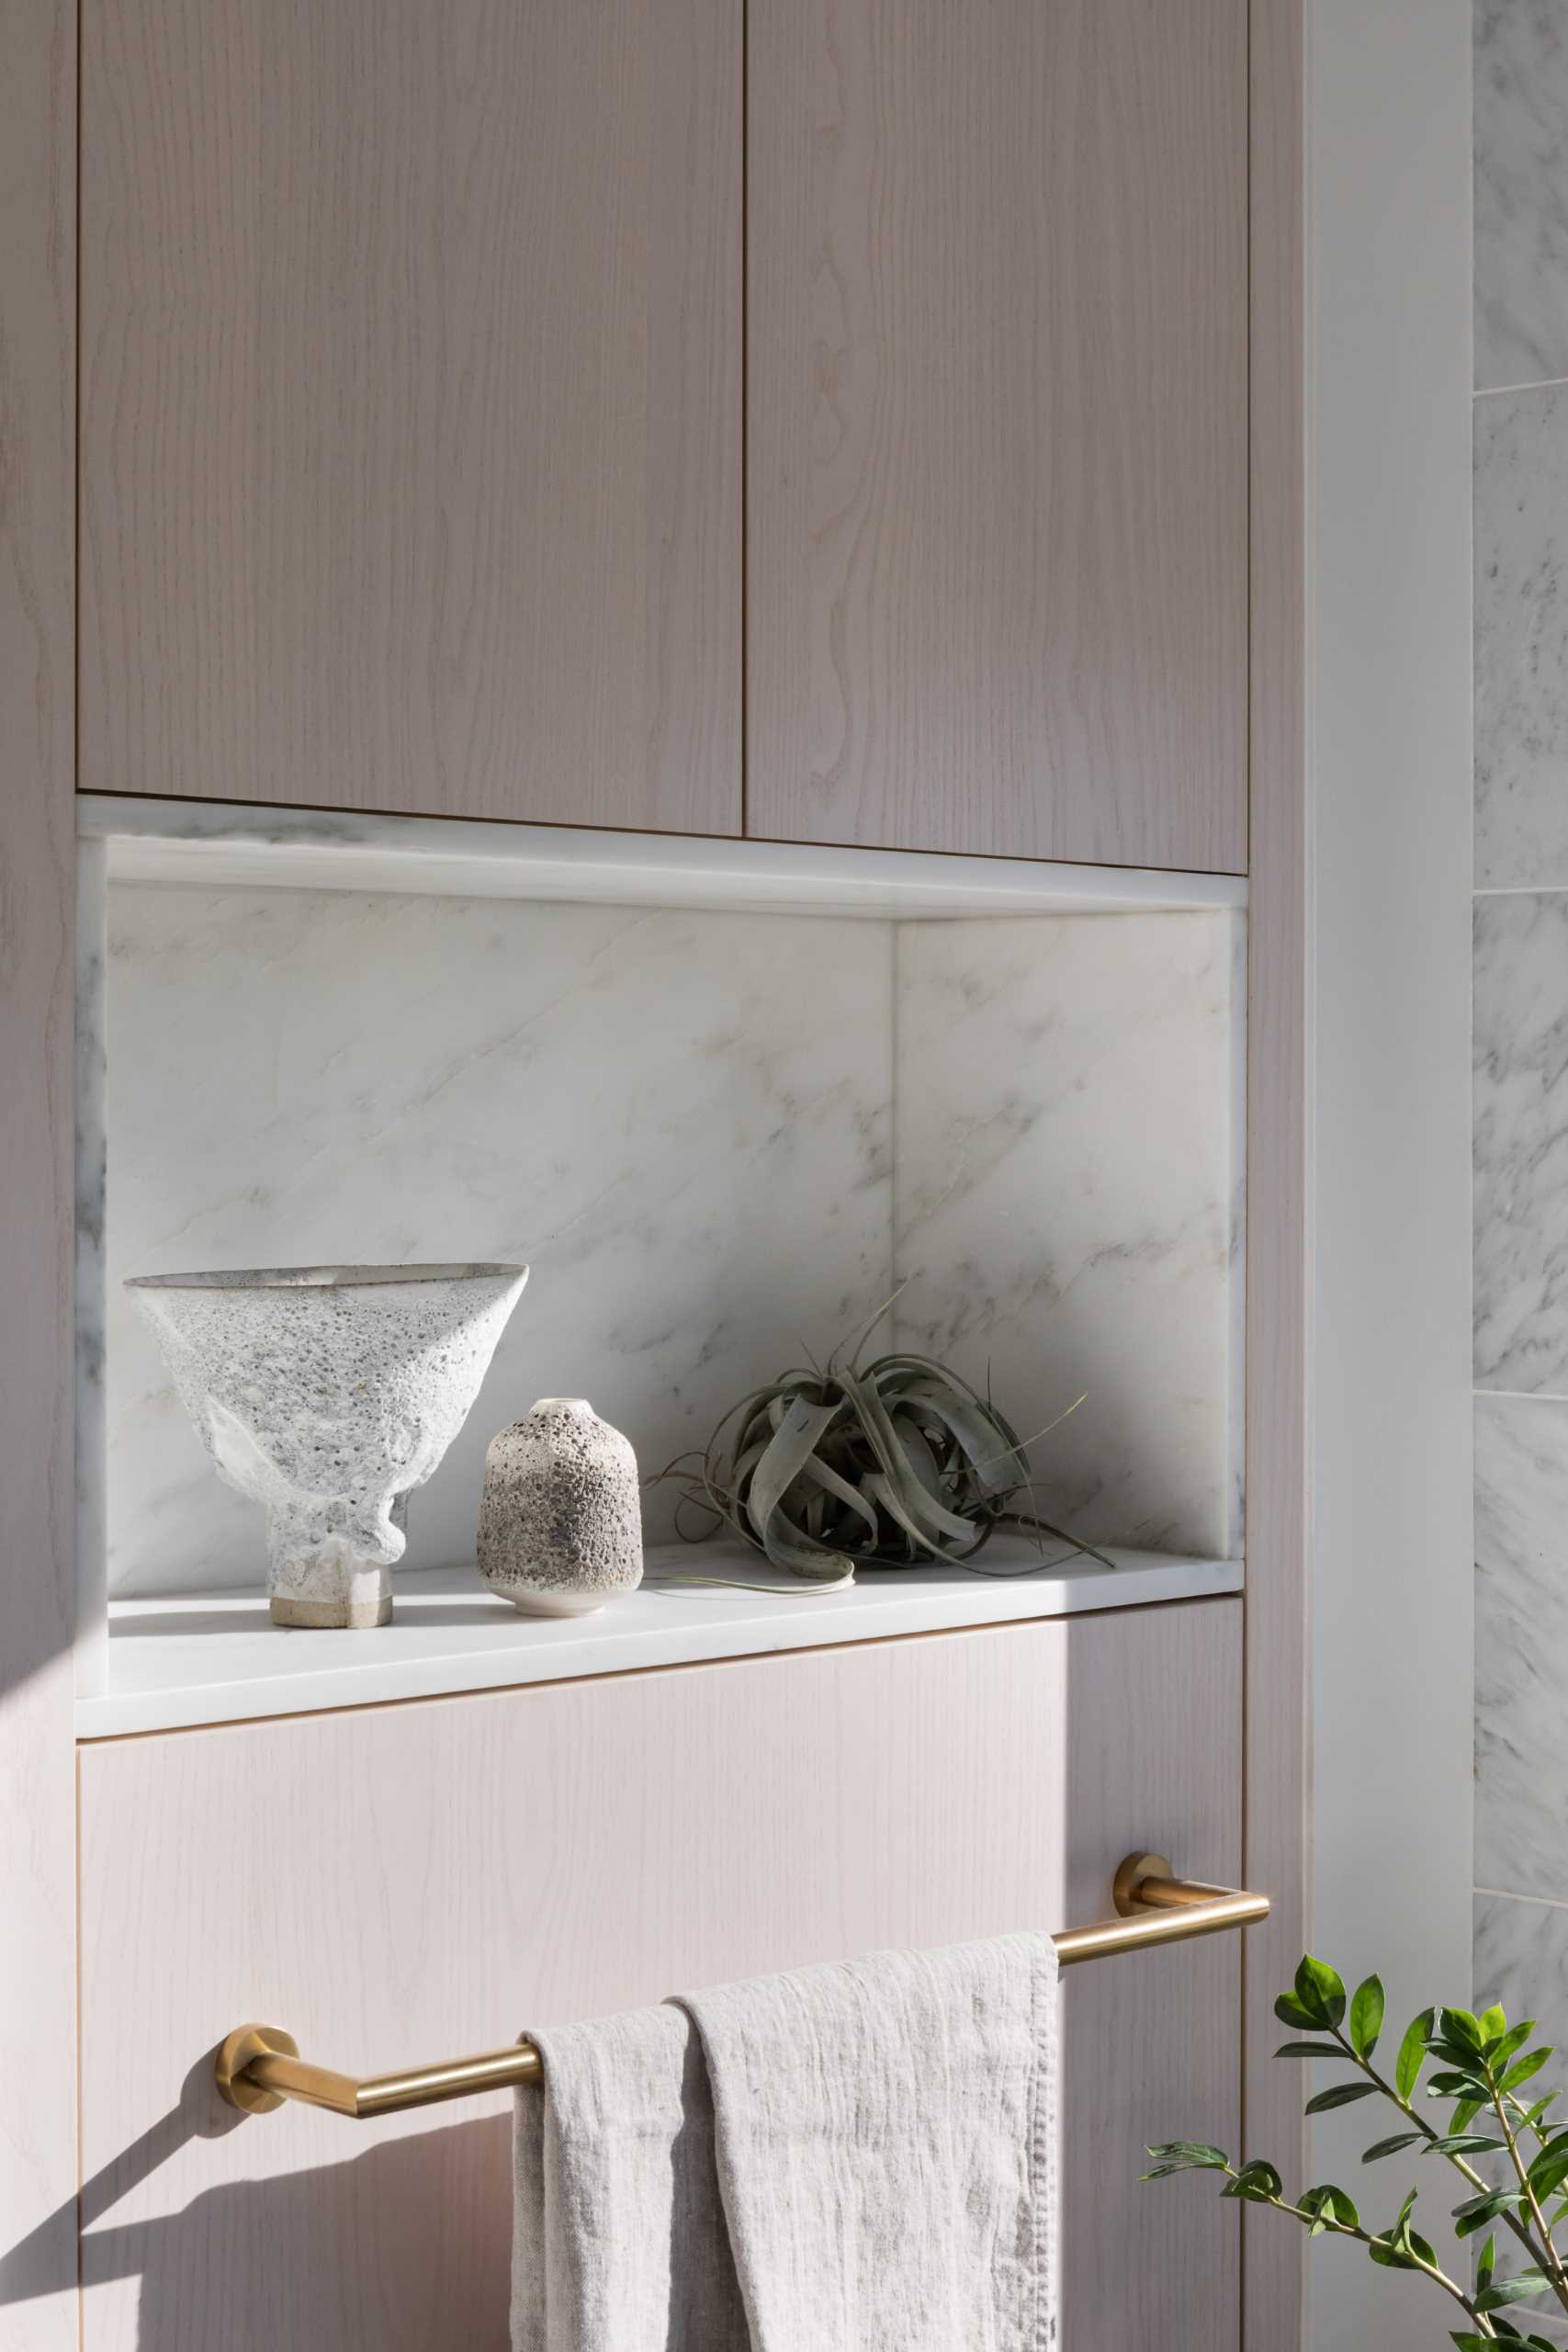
(222, 842)
(216, 1659)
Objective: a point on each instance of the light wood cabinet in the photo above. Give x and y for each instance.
(410, 406)
(397, 1884)
(412, 415)
(998, 427)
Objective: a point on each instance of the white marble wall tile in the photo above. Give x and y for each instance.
(1521, 1143)
(1521, 1960)
(1521, 191)
(1521, 1644)
(1521, 639)
(681, 1120)
(1066, 1205)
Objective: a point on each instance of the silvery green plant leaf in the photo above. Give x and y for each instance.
(892, 1464)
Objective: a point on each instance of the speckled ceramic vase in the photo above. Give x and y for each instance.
(560, 1525)
(326, 1393)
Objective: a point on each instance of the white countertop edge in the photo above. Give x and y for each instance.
(167, 1681)
(231, 843)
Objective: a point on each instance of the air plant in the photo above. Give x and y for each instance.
(887, 1464)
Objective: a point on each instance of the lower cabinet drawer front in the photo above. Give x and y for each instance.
(399, 1884)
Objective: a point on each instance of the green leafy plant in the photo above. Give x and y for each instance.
(884, 1464)
(1482, 2067)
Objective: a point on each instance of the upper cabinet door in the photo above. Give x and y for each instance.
(410, 421)
(998, 426)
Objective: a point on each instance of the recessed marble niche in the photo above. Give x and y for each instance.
(720, 1140)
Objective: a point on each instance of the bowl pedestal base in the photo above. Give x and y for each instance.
(355, 1615)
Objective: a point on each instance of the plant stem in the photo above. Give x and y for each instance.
(1545, 2259)
(1344, 2230)
(1553, 2263)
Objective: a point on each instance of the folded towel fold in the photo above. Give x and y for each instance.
(860, 2158)
(619, 2243)
(887, 2149)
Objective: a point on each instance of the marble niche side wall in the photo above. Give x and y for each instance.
(719, 1140)
(1521, 1009)
(1068, 1205)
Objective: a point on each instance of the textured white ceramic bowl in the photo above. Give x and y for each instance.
(326, 1393)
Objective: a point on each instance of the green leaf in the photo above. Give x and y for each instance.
(1329, 2205)
(1290, 2011)
(1464, 2144)
(1454, 2085)
(1532, 2064)
(1341, 2095)
(1493, 2022)
(1458, 2026)
(1513, 2291)
(1255, 2182)
(1499, 2051)
(1309, 2050)
(1392, 2147)
(1549, 2169)
(1479, 2213)
(1412, 2051)
(1190, 2154)
(1553, 2179)
(1366, 2017)
(1320, 1991)
(1486, 2262)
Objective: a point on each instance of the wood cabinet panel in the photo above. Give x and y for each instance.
(998, 427)
(398, 1883)
(410, 406)
(1279, 1179)
(37, 888)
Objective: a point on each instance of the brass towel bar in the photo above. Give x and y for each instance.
(259, 2067)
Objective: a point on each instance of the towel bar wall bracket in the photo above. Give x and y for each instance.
(259, 2067)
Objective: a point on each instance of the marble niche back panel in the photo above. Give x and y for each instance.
(714, 1137)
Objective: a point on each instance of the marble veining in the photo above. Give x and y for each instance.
(1521, 191)
(1065, 1205)
(1521, 1644)
(1521, 639)
(1521, 1142)
(657, 1111)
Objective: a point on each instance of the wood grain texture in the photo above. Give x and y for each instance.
(997, 414)
(393, 1883)
(38, 1924)
(1277, 1130)
(411, 408)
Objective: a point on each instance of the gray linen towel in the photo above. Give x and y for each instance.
(886, 2144)
(619, 2243)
